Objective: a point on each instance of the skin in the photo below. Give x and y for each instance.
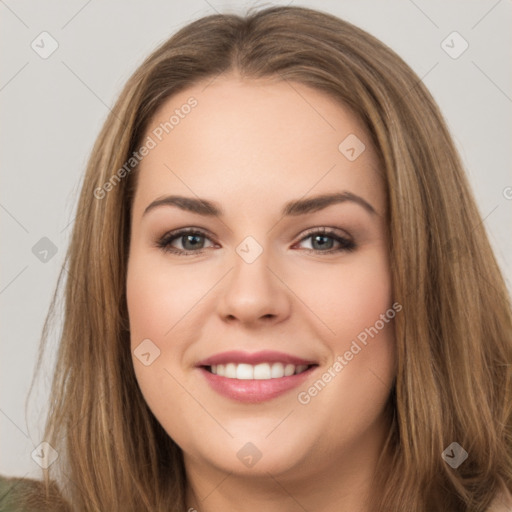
(252, 146)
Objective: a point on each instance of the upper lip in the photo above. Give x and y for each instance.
(253, 358)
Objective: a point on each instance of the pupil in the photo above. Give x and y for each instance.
(322, 244)
(188, 238)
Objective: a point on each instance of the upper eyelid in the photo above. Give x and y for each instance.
(325, 229)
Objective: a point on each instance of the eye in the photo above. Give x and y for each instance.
(323, 239)
(190, 239)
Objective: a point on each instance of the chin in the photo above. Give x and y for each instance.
(249, 459)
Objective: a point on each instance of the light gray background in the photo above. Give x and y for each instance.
(52, 110)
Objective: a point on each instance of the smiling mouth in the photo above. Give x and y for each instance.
(261, 371)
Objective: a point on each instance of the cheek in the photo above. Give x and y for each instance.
(156, 302)
(162, 301)
(349, 397)
(160, 296)
(355, 305)
(349, 297)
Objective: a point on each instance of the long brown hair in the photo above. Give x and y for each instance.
(454, 338)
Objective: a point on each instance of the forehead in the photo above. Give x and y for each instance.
(250, 142)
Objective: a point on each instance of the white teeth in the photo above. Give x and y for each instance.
(277, 371)
(230, 371)
(262, 371)
(244, 372)
(289, 369)
(301, 368)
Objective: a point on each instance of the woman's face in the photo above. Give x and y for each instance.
(289, 275)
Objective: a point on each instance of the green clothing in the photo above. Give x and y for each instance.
(10, 489)
(27, 495)
(9, 493)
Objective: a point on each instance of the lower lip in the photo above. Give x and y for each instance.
(254, 390)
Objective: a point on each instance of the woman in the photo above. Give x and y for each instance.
(279, 290)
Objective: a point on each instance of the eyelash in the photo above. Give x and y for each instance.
(164, 243)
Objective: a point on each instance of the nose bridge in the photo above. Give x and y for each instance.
(250, 250)
(251, 267)
(252, 291)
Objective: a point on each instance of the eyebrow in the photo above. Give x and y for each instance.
(292, 208)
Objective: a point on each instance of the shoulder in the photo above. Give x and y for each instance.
(27, 495)
(12, 490)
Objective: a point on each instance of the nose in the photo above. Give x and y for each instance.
(254, 293)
